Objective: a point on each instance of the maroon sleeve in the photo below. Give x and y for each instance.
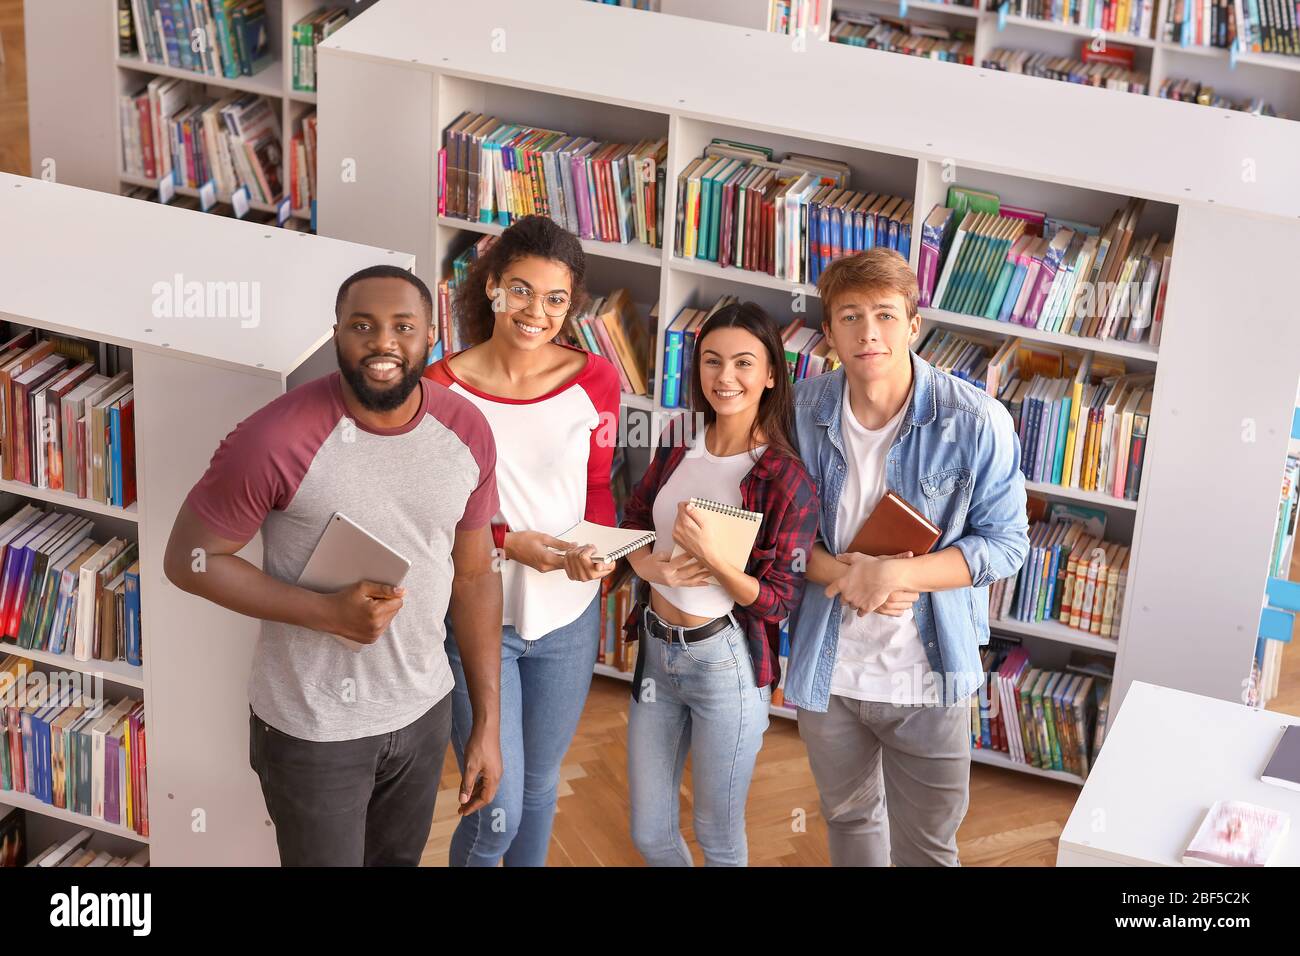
(259, 466)
(469, 425)
(600, 381)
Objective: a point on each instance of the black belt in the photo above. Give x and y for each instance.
(656, 626)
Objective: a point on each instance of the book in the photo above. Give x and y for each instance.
(893, 527)
(1236, 833)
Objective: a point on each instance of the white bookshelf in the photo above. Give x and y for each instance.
(1201, 527)
(195, 379)
(76, 124)
(1272, 77)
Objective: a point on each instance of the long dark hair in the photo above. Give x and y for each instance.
(530, 236)
(775, 417)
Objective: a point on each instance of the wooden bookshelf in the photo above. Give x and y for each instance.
(393, 80)
(195, 380)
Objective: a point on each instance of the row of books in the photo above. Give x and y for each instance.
(490, 170)
(229, 38)
(302, 163)
(1073, 576)
(1191, 91)
(807, 351)
(87, 757)
(307, 33)
(1260, 26)
(1132, 17)
(796, 17)
(450, 338)
(169, 127)
(71, 852)
(617, 594)
(1266, 666)
(1053, 720)
(1086, 68)
(611, 326)
(63, 592)
(783, 660)
(64, 425)
(1008, 264)
(738, 205)
(897, 35)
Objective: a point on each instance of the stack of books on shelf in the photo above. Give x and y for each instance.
(738, 205)
(170, 127)
(1072, 576)
(611, 326)
(616, 598)
(1191, 91)
(1052, 720)
(1008, 264)
(958, 354)
(807, 351)
(227, 38)
(67, 418)
(1266, 666)
(896, 35)
(1113, 16)
(75, 753)
(450, 338)
(1113, 69)
(63, 592)
(493, 171)
(302, 163)
(72, 851)
(1254, 25)
(307, 32)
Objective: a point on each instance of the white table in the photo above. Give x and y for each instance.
(1169, 756)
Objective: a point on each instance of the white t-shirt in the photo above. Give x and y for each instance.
(875, 647)
(699, 475)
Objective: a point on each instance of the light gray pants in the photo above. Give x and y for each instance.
(923, 756)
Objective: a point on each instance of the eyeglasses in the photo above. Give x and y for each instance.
(520, 299)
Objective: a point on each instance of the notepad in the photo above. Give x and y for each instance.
(1284, 766)
(893, 527)
(733, 528)
(610, 543)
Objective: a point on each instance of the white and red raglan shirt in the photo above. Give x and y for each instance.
(286, 469)
(554, 455)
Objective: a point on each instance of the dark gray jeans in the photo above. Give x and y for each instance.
(363, 802)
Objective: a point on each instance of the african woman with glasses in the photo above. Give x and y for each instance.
(553, 410)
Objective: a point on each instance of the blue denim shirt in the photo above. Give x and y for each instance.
(957, 459)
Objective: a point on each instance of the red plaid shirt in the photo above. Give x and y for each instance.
(779, 487)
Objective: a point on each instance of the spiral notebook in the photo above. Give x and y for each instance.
(610, 543)
(734, 528)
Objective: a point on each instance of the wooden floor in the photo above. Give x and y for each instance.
(1014, 818)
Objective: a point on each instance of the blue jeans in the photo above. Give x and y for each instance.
(699, 699)
(544, 686)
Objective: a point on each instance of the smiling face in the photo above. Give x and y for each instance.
(871, 333)
(734, 371)
(382, 339)
(524, 296)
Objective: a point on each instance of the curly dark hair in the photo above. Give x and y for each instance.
(530, 236)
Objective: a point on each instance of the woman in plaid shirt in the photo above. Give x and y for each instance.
(709, 630)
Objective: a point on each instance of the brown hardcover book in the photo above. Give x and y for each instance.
(893, 527)
(8, 373)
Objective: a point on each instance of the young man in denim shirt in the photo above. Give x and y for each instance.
(885, 651)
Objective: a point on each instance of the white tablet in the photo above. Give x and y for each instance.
(345, 554)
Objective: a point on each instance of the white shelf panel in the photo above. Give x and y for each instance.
(26, 801)
(67, 500)
(644, 402)
(1274, 61)
(761, 280)
(1078, 494)
(296, 275)
(996, 758)
(627, 252)
(1133, 350)
(268, 82)
(117, 672)
(1124, 39)
(191, 191)
(604, 670)
(302, 96)
(1055, 631)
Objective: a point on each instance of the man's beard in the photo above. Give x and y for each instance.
(387, 399)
